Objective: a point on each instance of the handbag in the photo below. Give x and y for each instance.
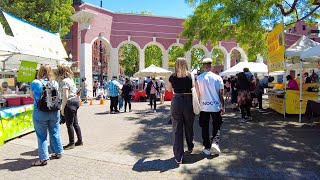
(195, 99)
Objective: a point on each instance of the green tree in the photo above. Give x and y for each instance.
(153, 55)
(174, 53)
(129, 59)
(197, 54)
(53, 15)
(217, 57)
(246, 21)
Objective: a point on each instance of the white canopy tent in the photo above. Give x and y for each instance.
(29, 43)
(294, 55)
(153, 70)
(311, 55)
(254, 67)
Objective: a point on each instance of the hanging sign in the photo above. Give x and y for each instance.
(27, 71)
(276, 47)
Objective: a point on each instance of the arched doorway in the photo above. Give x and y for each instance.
(235, 57)
(128, 59)
(197, 54)
(99, 61)
(174, 53)
(153, 55)
(217, 56)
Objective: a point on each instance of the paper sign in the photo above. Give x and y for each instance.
(27, 71)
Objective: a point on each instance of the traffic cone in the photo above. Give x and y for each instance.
(90, 101)
(80, 102)
(101, 101)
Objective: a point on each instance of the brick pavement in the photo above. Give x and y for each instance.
(137, 145)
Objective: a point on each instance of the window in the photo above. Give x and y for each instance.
(304, 27)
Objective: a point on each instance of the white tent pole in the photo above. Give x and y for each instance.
(285, 88)
(300, 90)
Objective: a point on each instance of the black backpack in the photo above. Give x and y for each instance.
(49, 100)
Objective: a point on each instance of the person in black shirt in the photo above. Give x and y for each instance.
(182, 114)
(244, 98)
(127, 91)
(234, 93)
(308, 78)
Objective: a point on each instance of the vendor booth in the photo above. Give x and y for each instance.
(21, 54)
(255, 67)
(286, 101)
(152, 71)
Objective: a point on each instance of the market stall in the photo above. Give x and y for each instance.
(286, 101)
(29, 47)
(255, 67)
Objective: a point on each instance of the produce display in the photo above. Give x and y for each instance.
(15, 121)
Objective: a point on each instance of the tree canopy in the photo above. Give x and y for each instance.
(53, 15)
(153, 55)
(174, 53)
(246, 21)
(129, 59)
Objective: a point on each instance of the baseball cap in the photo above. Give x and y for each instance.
(206, 60)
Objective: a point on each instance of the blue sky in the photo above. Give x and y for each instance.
(173, 8)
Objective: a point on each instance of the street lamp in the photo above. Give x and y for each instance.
(101, 63)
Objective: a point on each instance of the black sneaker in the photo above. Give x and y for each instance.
(69, 146)
(79, 143)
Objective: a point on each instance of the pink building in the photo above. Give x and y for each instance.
(94, 24)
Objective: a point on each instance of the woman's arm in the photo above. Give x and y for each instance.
(169, 87)
(65, 94)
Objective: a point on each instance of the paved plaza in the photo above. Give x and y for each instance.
(137, 145)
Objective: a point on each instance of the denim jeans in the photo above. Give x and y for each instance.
(44, 122)
(120, 102)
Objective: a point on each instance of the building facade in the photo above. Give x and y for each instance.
(94, 25)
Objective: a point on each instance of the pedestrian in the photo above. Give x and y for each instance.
(244, 98)
(120, 97)
(152, 90)
(95, 83)
(84, 90)
(234, 93)
(212, 104)
(263, 83)
(227, 87)
(70, 105)
(105, 88)
(45, 121)
(127, 92)
(114, 87)
(182, 114)
(162, 90)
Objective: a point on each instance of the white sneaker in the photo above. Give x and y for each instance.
(154, 111)
(206, 151)
(216, 149)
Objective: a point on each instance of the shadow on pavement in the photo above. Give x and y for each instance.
(154, 165)
(30, 153)
(18, 164)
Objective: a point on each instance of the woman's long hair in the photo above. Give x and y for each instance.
(45, 71)
(64, 72)
(181, 67)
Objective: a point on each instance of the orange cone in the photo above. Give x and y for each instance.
(101, 101)
(90, 101)
(80, 102)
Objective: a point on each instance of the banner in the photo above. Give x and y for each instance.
(27, 71)
(276, 48)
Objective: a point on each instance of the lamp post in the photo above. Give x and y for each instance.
(101, 64)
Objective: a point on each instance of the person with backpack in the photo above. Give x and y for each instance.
(152, 90)
(46, 115)
(70, 105)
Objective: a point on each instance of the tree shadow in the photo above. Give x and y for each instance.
(18, 164)
(265, 148)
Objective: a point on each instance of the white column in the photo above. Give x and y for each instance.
(141, 60)
(165, 59)
(86, 65)
(188, 58)
(227, 61)
(113, 63)
(210, 55)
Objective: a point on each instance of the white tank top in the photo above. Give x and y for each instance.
(210, 85)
